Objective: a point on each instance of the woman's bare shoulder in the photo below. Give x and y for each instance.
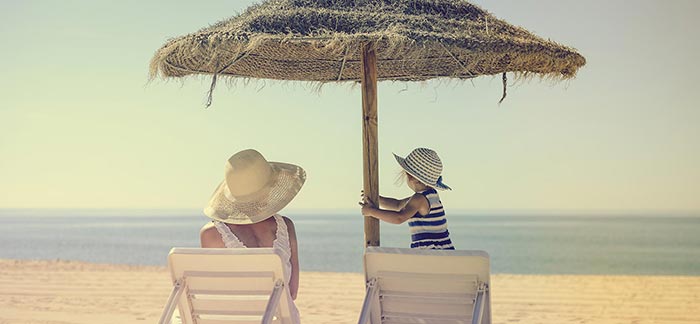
(209, 236)
(287, 220)
(290, 225)
(208, 227)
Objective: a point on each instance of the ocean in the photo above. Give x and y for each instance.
(332, 241)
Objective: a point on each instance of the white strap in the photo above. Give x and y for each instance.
(230, 239)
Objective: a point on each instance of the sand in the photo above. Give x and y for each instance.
(63, 292)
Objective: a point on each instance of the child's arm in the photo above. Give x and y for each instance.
(413, 205)
(392, 204)
(387, 203)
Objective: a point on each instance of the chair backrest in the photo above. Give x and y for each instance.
(227, 285)
(427, 286)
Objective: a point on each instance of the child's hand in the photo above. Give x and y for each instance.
(364, 200)
(367, 210)
(366, 203)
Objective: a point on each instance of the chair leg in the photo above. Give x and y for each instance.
(479, 303)
(367, 304)
(273, 302)
(172, 302)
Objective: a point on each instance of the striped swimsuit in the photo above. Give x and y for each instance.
(430, 231)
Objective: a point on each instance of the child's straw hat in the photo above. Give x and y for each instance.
(424, 165)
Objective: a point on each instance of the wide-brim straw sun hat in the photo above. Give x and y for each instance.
(424, 164)
(254, 189)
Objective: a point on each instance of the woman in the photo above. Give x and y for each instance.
(244, 211)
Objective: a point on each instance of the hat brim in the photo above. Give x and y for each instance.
(422, 179)
(285, 184)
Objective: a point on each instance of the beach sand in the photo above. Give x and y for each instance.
(63, 292)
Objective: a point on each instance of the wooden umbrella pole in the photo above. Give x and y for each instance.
(369, 138)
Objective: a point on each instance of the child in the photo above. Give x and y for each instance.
(423, 210)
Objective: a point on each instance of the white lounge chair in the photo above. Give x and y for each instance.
(426, 286)
(216, 286)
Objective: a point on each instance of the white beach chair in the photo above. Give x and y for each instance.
(426, 286)
(216, 286)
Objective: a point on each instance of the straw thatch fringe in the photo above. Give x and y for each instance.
(210, 94)
(505, 84)
(408, 65)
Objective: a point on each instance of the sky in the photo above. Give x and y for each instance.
(81, 126)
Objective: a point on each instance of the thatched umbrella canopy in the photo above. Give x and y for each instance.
(319, 40)
(364, 40)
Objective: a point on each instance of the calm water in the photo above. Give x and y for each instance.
(563, 244)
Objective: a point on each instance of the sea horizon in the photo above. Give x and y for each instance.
(331, 241)
(158, 211)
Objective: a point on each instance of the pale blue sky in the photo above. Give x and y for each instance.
(80, 126)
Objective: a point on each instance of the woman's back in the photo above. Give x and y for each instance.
(275, 232)
(258, 235)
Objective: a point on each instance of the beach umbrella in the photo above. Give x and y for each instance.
(364, 41)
